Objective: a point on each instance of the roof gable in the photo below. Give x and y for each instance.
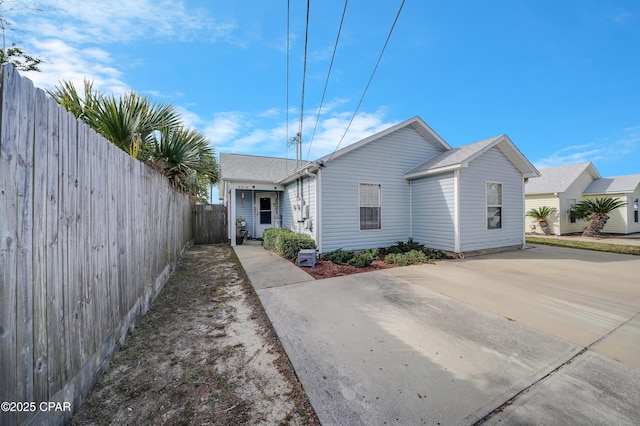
(416, 123)
(554, 180)
(614, 185)
(461, 157)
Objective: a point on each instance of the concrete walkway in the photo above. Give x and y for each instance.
(393, 347)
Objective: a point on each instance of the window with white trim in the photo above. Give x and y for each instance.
(494, 205)
(369, 206)
(635, 210)
(572, 204)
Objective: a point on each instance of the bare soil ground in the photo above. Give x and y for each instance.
(205, 353)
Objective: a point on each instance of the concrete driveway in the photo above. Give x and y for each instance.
(453, 343)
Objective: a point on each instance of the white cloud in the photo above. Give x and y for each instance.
(74, 37)
(613, 148)
(66, 62)
(236, 132)
(224, 128)
(89, 21)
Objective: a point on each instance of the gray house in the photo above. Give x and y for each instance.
(404, 182)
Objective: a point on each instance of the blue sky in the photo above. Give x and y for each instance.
(561, 79)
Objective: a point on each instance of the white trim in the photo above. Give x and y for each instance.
(524, 221)
(456, 211)
(410, 209)
(379, 203)
(486, 205)
(318, 218)
(232, 215)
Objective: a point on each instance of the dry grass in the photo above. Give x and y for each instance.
(205, 353)
(586, 245)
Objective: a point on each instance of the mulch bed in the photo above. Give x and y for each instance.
(326, 269)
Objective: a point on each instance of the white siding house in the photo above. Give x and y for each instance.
(404, 182)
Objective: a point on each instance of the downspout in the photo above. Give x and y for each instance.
(524, 220)
(410, 210)
(232, 216)
(318, 218)
(456, 211)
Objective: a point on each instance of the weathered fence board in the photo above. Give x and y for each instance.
(88, 236)
(209, 224)
(8, 243)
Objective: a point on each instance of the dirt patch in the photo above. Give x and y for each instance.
(326, 269)
(205, 353)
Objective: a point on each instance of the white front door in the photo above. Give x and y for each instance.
(264, 213)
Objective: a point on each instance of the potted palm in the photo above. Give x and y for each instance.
(541, 215)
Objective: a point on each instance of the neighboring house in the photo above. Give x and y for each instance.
(404, 182)
(562, 187)
(623, 220)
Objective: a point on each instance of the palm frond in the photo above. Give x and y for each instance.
(541, 213)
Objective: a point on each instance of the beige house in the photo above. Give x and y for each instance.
(561, 187)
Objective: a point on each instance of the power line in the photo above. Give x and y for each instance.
(326, 83)
(369, 82)
(287, 90)
(304, 76)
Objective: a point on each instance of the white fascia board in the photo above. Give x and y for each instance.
(255, 185)
(435, 171)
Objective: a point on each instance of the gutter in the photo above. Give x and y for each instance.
(311, 168)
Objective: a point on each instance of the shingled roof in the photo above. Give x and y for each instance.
(240, 167)
(614, 185)
(460, 157)
(558, 179)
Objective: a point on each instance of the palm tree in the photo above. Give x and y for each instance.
(541, 215)
(186, 157)
(150, 132)
(128, 121)
(597, 211)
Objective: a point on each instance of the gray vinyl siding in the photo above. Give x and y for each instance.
(287, 199)
(433, 207)
(306, 189)
(492, 166)
(244, 208)
(384, 162)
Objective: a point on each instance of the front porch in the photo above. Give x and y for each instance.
(252, 209)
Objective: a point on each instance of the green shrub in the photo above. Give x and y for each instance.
(339, 256)
(435, 254)
(364, 258)
(409, 258)
(270, 237)
(290, 245)
(286, 242)
(401, 247)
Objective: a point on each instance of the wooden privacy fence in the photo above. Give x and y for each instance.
(88, 236)
(209, 224)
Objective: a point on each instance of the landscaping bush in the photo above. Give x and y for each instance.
(402, 247)
(290, 245)
(339, 256)
(286, 242)
(409, 258)
(270, 237)
(364, 258)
